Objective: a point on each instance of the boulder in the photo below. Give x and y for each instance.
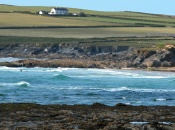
(149, 53)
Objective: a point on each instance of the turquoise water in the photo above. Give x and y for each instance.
(86, 86)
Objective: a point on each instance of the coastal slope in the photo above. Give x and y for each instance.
(87, 56)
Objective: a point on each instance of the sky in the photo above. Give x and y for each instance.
(147, 6)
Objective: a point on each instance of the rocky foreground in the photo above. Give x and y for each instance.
(87, 117)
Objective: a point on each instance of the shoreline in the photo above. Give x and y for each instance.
(75, 63)
(89, 56)
(96, 116)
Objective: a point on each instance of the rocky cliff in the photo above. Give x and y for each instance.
(79, 55)
(78, 49)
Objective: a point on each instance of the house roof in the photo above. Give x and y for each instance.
(58, 8)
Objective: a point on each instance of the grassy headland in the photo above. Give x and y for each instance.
(21, 23)
(10, 17)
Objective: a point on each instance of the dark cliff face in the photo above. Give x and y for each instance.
(113, 56)
(107, 49)
(159, 58)
(61, 49)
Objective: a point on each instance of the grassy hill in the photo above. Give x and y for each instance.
(94, 18)
(17, 20)
(21, 22)
(34, 9)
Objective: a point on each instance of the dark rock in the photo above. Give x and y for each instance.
(98, 105)
(80, 50)
(88, 117)
(104, 56)
(93, 50)
(166, 64)
(166, 56)
(1, 49)
(37, 51)
(150, 53)
(122, 48)
(172, 50)
(53, 49)
(152, 63)
(105, 49)
(121, 104)
(138, 61)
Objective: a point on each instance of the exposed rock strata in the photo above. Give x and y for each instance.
(65, 55)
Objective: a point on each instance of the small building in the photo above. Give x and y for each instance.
(58, 11)
(43, 12)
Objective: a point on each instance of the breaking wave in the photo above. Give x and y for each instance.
(23, 84)
(61, 77)
(18, 84)
(138, 90)
(120, 89)
(163, 99)
(4, 68)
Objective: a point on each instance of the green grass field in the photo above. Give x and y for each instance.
(94, 18)
(97, 28)
(17, 20)
(90, 32)
(141, 42)
(130, 21)
(34, 9)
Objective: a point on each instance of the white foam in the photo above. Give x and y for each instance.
(56, 74)
(151, 77)
(128, 103)
(129, 74)
(123, 97)
(67, 68)
(35, 69)
(23, 83)
(143, 123)
(2, 68)
(166, 123)
(137, 90)
(54, 70)
(139, 123)
(115, 89)
(161, 99)
(97, 72)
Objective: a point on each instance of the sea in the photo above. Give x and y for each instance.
(86, 86)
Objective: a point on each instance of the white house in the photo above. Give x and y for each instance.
(58, 11)
(42, 12)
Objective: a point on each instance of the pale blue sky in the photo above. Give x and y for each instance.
(149, 6)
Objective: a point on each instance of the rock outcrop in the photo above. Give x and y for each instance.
(79, 55)
(86, 117)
